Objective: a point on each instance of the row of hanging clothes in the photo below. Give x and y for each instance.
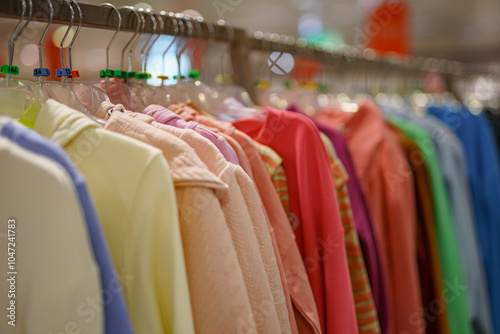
(188, 208)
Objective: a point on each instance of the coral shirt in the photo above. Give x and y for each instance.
(319, 232)
(388, 183)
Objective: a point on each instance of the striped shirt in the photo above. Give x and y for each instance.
(366, 312)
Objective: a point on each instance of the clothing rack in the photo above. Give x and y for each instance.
(104, 18)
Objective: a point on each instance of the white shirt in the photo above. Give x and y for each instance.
(56, 271)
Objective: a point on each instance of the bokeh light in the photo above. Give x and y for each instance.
(29, 55)
(58, 35)
(310, 25)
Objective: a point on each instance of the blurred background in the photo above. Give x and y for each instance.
(461, 30)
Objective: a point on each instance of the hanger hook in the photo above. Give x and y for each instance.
(67, 31)
(199, 36)
(184, 23)
(51, 16)
(107, 4)
(176, 36)
(185, 20)
(153, 20)
(211, 38)
(28, 20)
(230, 38)
(12, 40)
(162, 28)
(76, 33)
(134, 43)
(133, 36)
(179, 42)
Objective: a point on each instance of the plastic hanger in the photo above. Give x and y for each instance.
(16, 96)
(209, 42)
(311, 96)
(178, 91)
(201, 94)
(117, 91)
(91, 97)
(227, 93)
(196, 91)
(230, 92)
(165, 93)
(59, 91)
(267, 93)
(145, 93)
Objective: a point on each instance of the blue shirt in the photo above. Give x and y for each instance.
(453, 166)
(116, 314)
(484, 177)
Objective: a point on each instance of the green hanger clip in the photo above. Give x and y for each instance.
(120, 74)
(194, 74)
(107, 73)
(10, 69)
(142, 76)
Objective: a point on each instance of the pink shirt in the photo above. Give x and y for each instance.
(164, 116)
(295, 276)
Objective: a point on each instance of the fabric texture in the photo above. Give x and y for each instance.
(273, 164)
(187, 113)
(131, 184)
(429, 264)
(366, 312)
(483, 169)
(493, 117)
(254, 264)
(363, 222)
(57, 281)
(116, 314)
(319, 230)
(294, 271)
(452, 163)
(382, 169)
(453, 271)
(164, 116)
(217, 290)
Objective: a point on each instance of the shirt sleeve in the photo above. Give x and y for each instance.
(159, 298)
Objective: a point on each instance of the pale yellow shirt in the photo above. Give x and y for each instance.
(131, 185)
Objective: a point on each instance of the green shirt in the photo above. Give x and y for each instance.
(454, 294)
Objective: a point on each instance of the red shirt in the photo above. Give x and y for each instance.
(313, 205)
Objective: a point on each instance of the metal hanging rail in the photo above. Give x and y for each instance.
(104, 18)
(101, 17)
(242, 45)
(272, 42)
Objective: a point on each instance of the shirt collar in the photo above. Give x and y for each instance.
(185, 167)
(161, 114)
(61, 123)
(364, 130)
(187, 113)
(107, 108)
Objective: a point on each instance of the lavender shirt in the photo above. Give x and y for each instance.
(164, 116)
